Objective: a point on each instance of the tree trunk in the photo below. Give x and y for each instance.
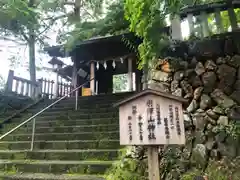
(31, 47)
(32, 65)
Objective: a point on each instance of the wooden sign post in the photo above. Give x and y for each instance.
(151, 118)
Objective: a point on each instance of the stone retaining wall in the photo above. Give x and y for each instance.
(213, 89)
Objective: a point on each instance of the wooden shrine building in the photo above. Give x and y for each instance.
(99, 58)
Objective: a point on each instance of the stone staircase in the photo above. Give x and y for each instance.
(68, 144)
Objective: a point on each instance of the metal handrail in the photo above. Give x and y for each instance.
(40, 112)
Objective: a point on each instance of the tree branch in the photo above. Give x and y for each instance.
(12, 40)
(52, 22)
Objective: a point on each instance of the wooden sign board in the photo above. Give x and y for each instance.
(151, 118)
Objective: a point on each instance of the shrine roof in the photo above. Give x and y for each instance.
(100, 48)
(91, 46)
(208, 8)
(55, 60)
(150, 92)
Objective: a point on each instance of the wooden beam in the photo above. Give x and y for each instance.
(130, 74)
(176, 28)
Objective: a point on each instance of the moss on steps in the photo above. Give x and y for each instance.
(72, 144)
(64, 136)
(56, 167)
(69, 155)
(43, 176)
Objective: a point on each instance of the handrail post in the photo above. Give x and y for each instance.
(33, 133)
(9, 84)
(76, 103)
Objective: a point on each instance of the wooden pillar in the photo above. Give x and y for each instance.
(190, 23)
(145, 76)
(56, 85)
(204, 24)
(92, 75)
(176, 28)
(10, 81)
(153, 163)
(130, 75)
(232, 18)
(218, 19)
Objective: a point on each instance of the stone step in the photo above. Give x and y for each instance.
(86, 105)
(65, 122)
(100, 97)
(72, 115)
(72, 110)
(55, 167)
(72, 144)
(63, 136)
(81, 114)
(73, 129)
(44, 176)
(67, 155)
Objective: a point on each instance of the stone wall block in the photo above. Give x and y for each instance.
(159, 86)
(174, 85)
(210, 65)
(223, 120)
(210, 120)
(236, 96)
(187, 88)
(221, 60)
(237, 85)
(178, 92)
(197, 93)
(206, 101)
(212, 114)
(199, 69)
(192, 106)
(227, 74)
(221, 99)
(234, 61)
(178, 76)
(200, 155)
(199, 120)
(209, 81)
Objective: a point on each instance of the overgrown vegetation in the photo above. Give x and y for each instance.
(127, 168)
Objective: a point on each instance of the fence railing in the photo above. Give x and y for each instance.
(22, 86)
(64, 89)
(198, 19)
(42, 87)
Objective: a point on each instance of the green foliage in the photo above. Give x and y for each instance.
(127, 168)
(111, 23)
(120, 83)
(146, 19)
(214, 171)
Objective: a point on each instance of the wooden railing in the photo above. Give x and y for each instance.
(64, 89)
(198, 16)
(22, 86)
(41, 88)
(46, 88)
